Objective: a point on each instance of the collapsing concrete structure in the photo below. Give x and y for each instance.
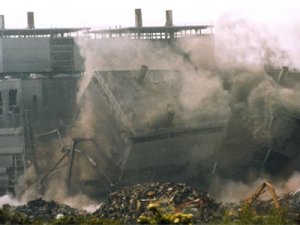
(140, 128)
(141, 132)
(161, 145)
(131, 124)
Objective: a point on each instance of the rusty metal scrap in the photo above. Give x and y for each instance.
(130, 202)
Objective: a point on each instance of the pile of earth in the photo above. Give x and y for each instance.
(46, 210)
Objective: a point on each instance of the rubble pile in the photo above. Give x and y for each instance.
(46, 210)
(291, 201)
(129, 203)
(288, 202)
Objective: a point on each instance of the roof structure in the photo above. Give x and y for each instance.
(157, 32)
(40, 32)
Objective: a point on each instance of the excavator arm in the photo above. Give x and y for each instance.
(265, 186)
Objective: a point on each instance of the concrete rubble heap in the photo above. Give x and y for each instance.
(45, 210)
(129, 203)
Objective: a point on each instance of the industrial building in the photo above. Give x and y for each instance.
(39, 50)
(28, 107)
(53, 51)
(27, 54)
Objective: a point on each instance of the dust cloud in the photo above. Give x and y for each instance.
(233, 191)
(8, 199)
(228, 77)
(265, 112)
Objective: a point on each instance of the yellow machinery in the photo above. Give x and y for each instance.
(265, 186)
(248, 212)
(163, 212)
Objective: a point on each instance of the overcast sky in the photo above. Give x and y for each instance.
(101, 13)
